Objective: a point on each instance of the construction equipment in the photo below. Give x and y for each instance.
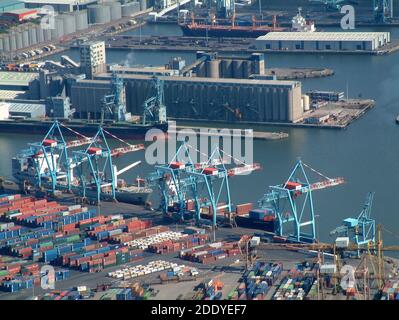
(292, 202)
(360, 230)
(154, 107)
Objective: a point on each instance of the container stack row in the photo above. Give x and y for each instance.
(210, 253)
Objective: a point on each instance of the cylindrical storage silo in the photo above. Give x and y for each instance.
(39, 34)
(81, 20)
(13, 41)
(19, 42)
(130, 8)
(32, 35)
(69, 23)
(25, 38)
(99, 14)
(58, 30)
(226, 69)
(6, 43)
(143, 5)
(237, 69)
(115, 10)
(1, 44)
(212, 69)
(46, 34)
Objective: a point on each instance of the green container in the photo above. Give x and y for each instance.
(3, 273)
(73, 238)
(47, 244)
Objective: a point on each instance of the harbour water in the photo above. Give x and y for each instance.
(366, 154)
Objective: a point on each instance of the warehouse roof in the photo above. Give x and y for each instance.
(16, 78)
(12, 94)
(322, 36)
(276, 83)
(25, 107)
(20, 11)
(60, 1)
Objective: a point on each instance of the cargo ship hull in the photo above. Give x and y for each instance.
(127, 131)
(226, 31)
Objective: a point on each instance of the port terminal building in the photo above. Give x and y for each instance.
(214, 99)
(323, 41)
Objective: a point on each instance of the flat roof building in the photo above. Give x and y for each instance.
(19, 15)
(325, 41)
(60, 5)
(16, 80)
(92, 58)
(26, 110)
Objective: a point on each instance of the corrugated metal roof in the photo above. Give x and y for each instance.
(25, 107)
(323, 36)
(17, 78)
(59, 1)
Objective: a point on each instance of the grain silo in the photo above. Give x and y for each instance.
(115, 10)
(143, 5)
(13, 41)
(1, 44)
(69, 24)
(6, 42)
(39, 34)
(25, 37)
(99, 14)
(58, 30)
(18, 37)
(212, 68)
(81, 20)
(32, 35)
(46, 34)
(130, 8)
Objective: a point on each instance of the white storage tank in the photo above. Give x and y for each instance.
(6, 43)
(25, 38)
(1, 44)
(69, 23)
(58, 31)
(13, 41)
(19, 42)
(39, 34)
(81, 20)
(143, 5)
(32, 35)
(99, 14)
(305, 102)
(46, 34)
(115, 10)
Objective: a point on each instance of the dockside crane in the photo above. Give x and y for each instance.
(360, 230)
(211, 187)
(292, 202)
(203, 184)
(154, 109)
(95, 168)
(51, 159)
(382, 10)
(174, 182)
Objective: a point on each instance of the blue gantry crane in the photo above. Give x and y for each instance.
(204, 185)
(154, 107)
(292, 203)
(360, 230)
(51, 160)
(382, 10)
(174, 182)
(96, 173)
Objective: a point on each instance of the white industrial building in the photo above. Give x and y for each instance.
(24, 110)
(325, 41)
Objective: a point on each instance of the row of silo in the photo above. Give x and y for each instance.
(130, 8)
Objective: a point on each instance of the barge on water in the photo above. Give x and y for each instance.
(126, 130)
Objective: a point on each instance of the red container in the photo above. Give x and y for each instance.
(211, 171)
(291, 185)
